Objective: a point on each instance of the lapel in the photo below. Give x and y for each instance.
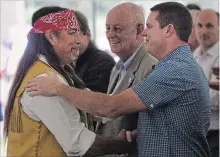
(113, 80)
(130, 75)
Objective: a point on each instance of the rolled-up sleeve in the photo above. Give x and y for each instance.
(62, 119)
(161, 86)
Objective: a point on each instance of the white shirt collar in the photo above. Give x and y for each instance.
(43, 59)
(213, 51)
(127, 63)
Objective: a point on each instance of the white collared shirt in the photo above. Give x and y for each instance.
(61, 118)
(207, 60)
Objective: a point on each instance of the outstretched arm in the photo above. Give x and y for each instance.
(91, 102)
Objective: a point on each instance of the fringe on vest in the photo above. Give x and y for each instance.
(15, 122)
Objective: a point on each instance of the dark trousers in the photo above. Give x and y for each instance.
(213, 140)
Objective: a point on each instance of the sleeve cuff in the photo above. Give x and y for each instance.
(87, 138)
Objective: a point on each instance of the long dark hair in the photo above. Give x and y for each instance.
(37, 45)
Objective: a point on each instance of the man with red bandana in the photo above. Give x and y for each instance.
(49, 126)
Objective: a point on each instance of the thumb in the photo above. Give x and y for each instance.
(129, 136)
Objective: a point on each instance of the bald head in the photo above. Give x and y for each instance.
(129, 11)
(207, 28)
(124, 25)
(209, 14)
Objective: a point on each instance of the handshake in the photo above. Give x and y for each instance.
(127, 135)
(130, 136)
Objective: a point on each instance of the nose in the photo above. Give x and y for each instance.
(203, 30)
(77, 39)
(144, 33)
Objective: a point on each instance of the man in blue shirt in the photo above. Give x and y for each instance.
(173, 101)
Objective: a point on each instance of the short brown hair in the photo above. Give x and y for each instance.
(176, 14)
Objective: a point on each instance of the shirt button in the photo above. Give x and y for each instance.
(151, 105)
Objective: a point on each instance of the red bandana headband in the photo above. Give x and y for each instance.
(57, 21)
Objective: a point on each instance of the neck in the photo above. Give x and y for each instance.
(169, 49)
(126, 56)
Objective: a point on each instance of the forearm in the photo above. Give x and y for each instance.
(91, 102)
(101, 104)
(104, 146)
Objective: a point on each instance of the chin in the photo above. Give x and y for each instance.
(70, 61)
(115, 51)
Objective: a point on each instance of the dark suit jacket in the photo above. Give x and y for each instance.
(94, 67)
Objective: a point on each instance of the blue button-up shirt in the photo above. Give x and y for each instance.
(178, 112)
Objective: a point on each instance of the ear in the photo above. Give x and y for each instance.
(50, 36)
(169, 30)
(140, 28)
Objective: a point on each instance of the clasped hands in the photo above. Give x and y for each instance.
(130, 136)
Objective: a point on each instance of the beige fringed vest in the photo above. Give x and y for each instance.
(27, 137)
